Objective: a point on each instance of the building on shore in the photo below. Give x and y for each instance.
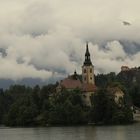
(125, 68)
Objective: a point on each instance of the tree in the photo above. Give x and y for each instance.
(134, 92)
(67, 109)
(22, 112)
(105, 110)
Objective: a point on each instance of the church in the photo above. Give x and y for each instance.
(86, 83)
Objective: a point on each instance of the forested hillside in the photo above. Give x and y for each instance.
(128, 80)
(41, 106)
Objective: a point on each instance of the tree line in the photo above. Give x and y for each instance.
(42, 106)
(24, 106)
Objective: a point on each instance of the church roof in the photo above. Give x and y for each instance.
(88, 87)
(70, 83)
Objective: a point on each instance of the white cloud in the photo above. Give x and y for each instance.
(112, 57)
(49, 35)
(10, 69)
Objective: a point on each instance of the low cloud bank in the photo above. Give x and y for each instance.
(44, 39)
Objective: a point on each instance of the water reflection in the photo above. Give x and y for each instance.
(130, 132)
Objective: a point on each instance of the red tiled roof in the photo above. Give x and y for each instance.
(89, 87)
(71, 83)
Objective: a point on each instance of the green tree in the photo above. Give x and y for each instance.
(105, 110)
(67, 109)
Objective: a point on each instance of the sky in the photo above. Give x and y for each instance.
(46, 39)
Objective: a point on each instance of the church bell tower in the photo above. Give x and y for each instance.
(88, 69)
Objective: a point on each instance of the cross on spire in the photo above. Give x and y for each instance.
(87, 61)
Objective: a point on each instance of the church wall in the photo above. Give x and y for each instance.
(86, 97)
(88, 74)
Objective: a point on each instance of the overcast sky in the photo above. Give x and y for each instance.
(45, 38)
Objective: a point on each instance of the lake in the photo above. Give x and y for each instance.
(129, 132)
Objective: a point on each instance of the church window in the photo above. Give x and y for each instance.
(84, 70)
(85, 78)
(90, 78)
(90, 70)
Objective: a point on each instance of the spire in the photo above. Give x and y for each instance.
(75, 73)
(75, 76)
(87, 61)
(87, 51)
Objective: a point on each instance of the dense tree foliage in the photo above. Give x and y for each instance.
(128, 81)
(26, 106)
(104, 110)
(41, 106)
(102, 80)
(68, 108)
(134, 92)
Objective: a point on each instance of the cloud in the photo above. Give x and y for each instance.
(112, 57)
(10, 69)
(42, 37)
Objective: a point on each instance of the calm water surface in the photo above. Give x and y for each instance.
(129, 132)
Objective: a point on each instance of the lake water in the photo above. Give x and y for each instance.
(129, 132)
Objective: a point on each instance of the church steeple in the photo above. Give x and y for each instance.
(88, 69)
(87, 61)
